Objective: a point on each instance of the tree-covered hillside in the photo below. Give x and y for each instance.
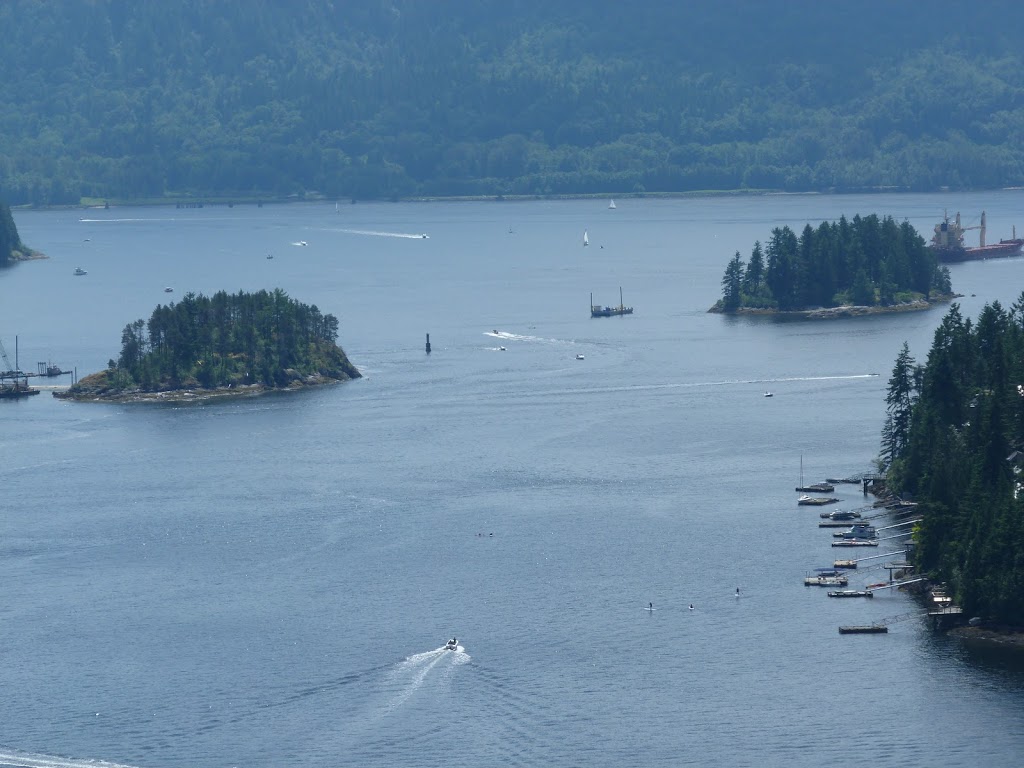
(954, 441)
(126, 99)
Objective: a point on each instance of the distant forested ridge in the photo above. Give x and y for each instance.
(860, 262)
(954, 441)
(263, 339)
(262, 98)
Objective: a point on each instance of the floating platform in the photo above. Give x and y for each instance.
(847, 480)
(825, 581)
(829, 523)
(867, 629)
(851, 593)
(845, 564)
(855, 543)
(816, 501)
(816, 488)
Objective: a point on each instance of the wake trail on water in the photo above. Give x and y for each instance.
(691, 385)
(412, 673)
(374, 233)
(524, 337)
(16, 759)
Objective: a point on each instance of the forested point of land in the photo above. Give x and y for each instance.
(254, 99)
(865, 262)
(242, 341)
(954, 442)
(11, 247)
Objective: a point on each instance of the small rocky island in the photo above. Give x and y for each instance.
(850, 267)
(227, 344)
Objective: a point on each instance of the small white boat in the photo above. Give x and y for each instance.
(501, 349)
(611, 205)
(80, 271)
(769, 394)
(302, 242)
(586, 240)
(270, 255)
(452, 645)
(168, 289)
(579, 357)
(425, 237)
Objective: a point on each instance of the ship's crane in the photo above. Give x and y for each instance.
(8, 371)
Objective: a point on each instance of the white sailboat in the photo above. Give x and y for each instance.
(612, 205)
(586, 240)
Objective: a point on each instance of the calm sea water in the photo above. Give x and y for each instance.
(268, 582)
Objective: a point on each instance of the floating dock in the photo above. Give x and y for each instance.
(868, 629)
(855, 543)
(816, 488)
(816, 501)
(851, 593)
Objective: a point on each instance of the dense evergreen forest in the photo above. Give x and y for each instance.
(862, 262)
(226, 340)
(9, 239)
(954, 441)
(136, 100)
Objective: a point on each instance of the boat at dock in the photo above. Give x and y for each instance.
(858, 531)
(596, 310)
(948, 242)
(826, 581)
(813, 487)
(855, 543)
(865, 629)
(845, 564)
(840, 514)
(851, 593)
(816, 501)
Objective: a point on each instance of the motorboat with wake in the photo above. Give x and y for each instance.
(452, 645)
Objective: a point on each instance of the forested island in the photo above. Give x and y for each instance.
(224, 344)
(865, 264)
(11, 247)
(260, 99)
(954, 442)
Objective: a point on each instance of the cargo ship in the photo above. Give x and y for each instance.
(948, 242)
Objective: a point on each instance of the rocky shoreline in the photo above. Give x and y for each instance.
(93, 389)
(993, 636)
(830, 313)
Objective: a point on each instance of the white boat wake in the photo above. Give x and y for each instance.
(28, 760)
(496, 334)
(373, 233)
(412, 673)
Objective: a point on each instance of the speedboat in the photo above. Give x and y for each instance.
(168, 289)
(302, 242)
(80, 271)
(769, 394)
(452, 645)
(501, 349)
(579, 357)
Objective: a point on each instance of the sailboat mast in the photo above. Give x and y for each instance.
(621, 305)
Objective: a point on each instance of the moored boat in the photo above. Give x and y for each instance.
(816, 501)
(851, 593)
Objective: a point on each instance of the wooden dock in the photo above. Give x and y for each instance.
(866, 629)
